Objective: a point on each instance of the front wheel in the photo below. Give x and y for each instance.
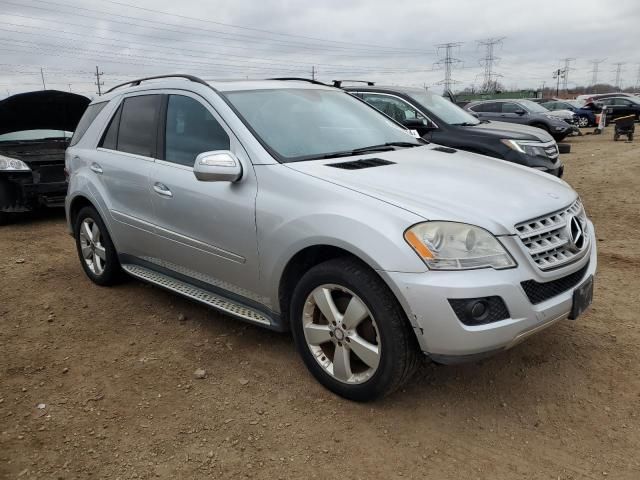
(351, 332)
(583, 121)
(97, 254)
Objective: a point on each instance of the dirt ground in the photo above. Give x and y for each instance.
(99, 382)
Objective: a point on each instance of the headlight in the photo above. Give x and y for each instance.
(551, 117)
(457, 246)
(13, 164)
(528, 148)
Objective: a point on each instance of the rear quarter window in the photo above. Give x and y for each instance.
(87, 119)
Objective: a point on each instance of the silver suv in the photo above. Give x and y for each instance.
(293, 205)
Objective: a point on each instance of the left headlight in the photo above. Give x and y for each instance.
(13, 164)
(528, 148)
(457, 246)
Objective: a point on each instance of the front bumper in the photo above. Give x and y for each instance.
(24, 191)
(442, 336)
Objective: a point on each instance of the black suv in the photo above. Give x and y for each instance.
(35, 129)
(440, 121)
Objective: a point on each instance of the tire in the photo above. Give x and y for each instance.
(5, 218)
(378, 331)
(102, 269)
(583, 121)
(630, 137)
(616, 137)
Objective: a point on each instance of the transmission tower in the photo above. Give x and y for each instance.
(594, 70)
(447, 61)
(489, 80)
(567, 68)
(618, 70)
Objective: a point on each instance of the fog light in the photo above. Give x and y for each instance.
(479, 311)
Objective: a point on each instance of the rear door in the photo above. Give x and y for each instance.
(122, 164)
(487, 110)
(206, 230)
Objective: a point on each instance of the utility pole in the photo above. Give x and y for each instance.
(618, 70)
(542, 90)
(567, 68)
(98, 82)
(489, 81)
(447, 62)
(638, 78)
(69, 88)
(313, 72)
(594, 72)
(558, 74)
(44, 85)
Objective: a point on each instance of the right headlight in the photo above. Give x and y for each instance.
(457, 246)
(13, 164)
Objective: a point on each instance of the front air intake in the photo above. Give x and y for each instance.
(359, 164)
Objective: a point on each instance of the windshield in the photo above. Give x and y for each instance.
(25, 135)
(302, 124)
(533, 107)
(575, 103)
(444, 109)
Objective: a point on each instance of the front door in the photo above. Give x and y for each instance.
(206, 230)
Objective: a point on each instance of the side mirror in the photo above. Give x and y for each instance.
(414, 123)
(473, 114)
(217, 166)
(520, 112)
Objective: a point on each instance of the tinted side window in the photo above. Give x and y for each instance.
(511, 107)
(87, 119)
(138, 125)
(397, 109)
(191, 130)
(492, 107)
(110, 137)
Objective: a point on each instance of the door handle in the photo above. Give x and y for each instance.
(162, 189)
(96, 168)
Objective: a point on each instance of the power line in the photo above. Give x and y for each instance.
(490, 45)
(618, 71)
(98, 82)
(567, 69)
(447, 62)
(594, 70)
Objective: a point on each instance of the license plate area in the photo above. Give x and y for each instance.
(582, 298)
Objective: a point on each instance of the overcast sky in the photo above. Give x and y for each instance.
(388, 42)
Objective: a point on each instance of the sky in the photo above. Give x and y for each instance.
(386, 42)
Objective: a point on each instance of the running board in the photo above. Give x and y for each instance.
(195, 293)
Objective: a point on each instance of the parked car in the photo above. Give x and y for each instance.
(584, 112)
(438, 120)
(620, 107)
(590, 97)
(35, 128)
(293, 205)
(524, 112)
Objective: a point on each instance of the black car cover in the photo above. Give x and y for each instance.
(44, 109)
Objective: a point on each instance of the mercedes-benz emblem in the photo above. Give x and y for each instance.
(577, 237)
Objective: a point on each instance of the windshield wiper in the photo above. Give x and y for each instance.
(385, 147)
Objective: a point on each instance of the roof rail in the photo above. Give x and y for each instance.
(338, 83)
(300, 79)
(135, 83)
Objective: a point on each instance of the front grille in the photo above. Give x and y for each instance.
(539, 292)
(547, 239)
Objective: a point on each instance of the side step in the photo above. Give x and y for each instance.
(195, 293)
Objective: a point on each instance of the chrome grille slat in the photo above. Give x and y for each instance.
(546, 239)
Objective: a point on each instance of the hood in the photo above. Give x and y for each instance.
(459, 186)
(512, 131)
(44, 109)
(561, 114)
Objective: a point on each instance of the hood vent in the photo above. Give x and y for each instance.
(444, 149)
(359, 164)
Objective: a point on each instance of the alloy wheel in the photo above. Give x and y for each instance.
(341, 333)
(93, 252)
(583, 122)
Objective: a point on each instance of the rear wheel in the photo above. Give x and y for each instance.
(97, 254)
(351, 332)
